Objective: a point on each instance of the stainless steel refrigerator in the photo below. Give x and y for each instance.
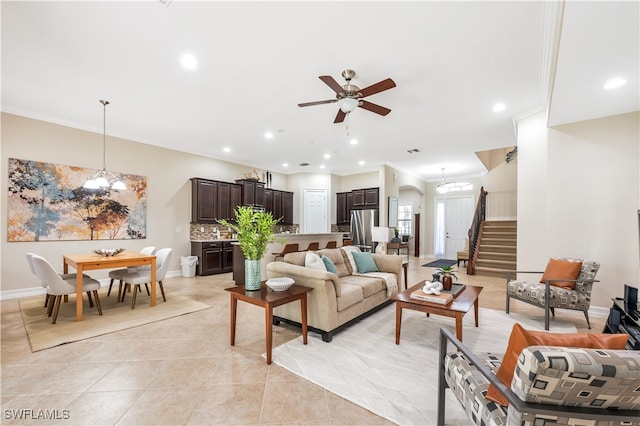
(362, 223)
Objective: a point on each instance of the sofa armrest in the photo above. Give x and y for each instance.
(515, 403)
(302, 275)
(389, 263)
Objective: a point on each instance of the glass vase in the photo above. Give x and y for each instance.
(251, 274)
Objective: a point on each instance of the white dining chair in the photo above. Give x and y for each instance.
(63, 276)
(137, 278)
(57, 287)
(118, 273)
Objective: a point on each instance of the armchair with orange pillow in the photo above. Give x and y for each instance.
(566, 284)
(589, 380)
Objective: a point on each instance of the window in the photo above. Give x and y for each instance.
(404, 219)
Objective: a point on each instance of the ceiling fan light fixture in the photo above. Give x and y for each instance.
(348, 104)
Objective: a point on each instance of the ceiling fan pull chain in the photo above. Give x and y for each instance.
(347, 123)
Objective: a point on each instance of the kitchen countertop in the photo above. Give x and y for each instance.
(214, 241)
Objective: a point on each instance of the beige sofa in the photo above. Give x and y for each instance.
(337, 300)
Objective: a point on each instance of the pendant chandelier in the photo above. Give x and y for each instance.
(104, 179)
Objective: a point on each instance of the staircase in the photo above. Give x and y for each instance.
(497, 248)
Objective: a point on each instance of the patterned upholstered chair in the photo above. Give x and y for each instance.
(549, 297)
(551, 385)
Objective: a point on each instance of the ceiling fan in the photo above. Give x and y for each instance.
(350, 96)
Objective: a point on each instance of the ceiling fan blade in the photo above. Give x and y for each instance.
(381, 86)
(331, 82)
(340, 116)
(374, 107)
(329, 101)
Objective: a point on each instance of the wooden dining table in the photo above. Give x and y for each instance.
(91, 261)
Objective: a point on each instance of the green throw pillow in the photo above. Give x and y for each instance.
(331, 267)
(365, 262)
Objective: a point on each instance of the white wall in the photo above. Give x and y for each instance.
(168, 195)
(578, 196)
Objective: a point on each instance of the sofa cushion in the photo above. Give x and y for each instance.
(521, 338)
(350, 295)
(296, 258)
(369, 285)
(365, 262)
(329, 265)
(558, 268)
(348, 252)
(312, 260)
(338, 260)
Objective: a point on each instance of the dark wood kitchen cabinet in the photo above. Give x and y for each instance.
(212, 200)
(277, 204)
(366, 198)
(268, 200)
(204, 194)
(210, 259)
(342, 208)
(252, 192)
(214, 257)
(287, 208)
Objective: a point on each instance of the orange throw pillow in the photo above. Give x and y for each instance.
(521, 338)
(557, 269)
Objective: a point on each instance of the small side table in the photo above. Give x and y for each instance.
(268, 299)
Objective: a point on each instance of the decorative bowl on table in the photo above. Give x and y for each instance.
(280, 284)
(108, 252)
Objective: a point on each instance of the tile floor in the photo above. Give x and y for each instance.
(182, 371)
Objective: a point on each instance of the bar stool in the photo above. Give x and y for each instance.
(331, 244)
(313, 246)
(288, 248)
(346, 243)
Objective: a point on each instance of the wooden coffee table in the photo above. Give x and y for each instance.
(454, 309)
(268, 299)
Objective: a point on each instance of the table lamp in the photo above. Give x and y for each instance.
(380, 235)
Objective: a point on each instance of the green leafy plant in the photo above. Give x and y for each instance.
(255, 230)
(447, 270)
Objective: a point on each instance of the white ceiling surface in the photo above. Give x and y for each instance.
(451, 61)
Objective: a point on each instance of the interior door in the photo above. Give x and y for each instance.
(315, 211)
(459, 212)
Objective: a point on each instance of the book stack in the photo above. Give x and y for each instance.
(441, 299)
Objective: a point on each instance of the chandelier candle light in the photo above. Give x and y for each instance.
(104, 179)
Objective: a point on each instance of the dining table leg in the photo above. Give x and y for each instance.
(79, 293)
(153, 281)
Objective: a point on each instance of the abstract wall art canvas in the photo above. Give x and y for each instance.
(47, 202)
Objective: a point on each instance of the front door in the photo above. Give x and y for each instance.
(453, 219)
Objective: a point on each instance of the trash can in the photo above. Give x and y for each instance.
(188, 264)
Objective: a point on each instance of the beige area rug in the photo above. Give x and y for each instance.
(115, 317)
(398, 382)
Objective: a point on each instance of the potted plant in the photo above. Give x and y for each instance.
(446, 272)
(255, 230)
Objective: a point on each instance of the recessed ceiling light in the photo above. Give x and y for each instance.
(326, 156)
(361, 162)
(268, 135)
(226, 149)
(285, 164)
(353, 141)
(499, 107)
(189, 61)
(322, 166)
(614, 83)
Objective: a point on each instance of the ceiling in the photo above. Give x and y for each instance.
(451, 62)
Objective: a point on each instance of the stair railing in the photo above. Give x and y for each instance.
(475, 231)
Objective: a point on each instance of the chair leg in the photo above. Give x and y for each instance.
(133, 298)
(124, 291)
(52, 302)
(90, 299)
(165, 299)
(98, 305)
(46, 300)
(119, 290)
(57, 308)
(110, 285)
(553, 312)
(506, 310)
(147, 287)
(586, 316)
